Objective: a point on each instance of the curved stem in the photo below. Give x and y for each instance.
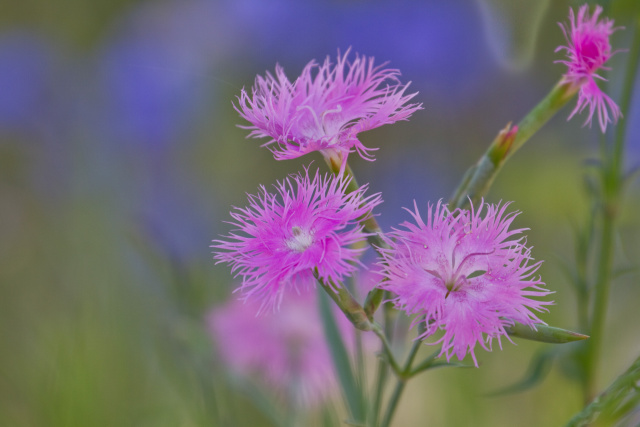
(478, 179)
(387, 348)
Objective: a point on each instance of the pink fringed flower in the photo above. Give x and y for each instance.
(310, 224)
(287, 349)
(588, 49)
(466, 273)
(325, 108)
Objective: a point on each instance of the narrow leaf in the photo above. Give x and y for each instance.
(352, 393)
(544, 333)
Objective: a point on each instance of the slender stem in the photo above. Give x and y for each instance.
(347, 303)
(612, 180)
(370, 223)
(478, 179)
(362, 375)
(402, 378)
(393, 403)
(412, 355)
(541, 113)
(375, 236)
(387, 348)
(601, 300)
(424, 365)
(383, 370)
(381, 379)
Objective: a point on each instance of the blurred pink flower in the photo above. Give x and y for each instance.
(326, 109)
(588, 49)
(466, 273)
(310, 226)
(287, 349)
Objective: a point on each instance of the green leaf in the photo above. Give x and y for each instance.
(544, 333)
(613, 403)
(348, 383)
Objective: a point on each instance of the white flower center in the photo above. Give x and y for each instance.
(300, 240)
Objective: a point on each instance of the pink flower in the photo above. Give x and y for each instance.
(286, 349)
(325, 108)
(308, 225)
(466, 273)
(588, 49)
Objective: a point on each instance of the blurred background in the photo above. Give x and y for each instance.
(120, 160)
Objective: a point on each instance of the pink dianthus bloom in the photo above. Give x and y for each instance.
(310, 224)
(287, 350)
(588, 49)
(466, 273)
(325, 108)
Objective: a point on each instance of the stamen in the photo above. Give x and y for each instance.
(300, 241)
(313, 114)
(338, 109)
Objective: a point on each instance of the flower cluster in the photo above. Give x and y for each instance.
(325, 108)
(588, 49)
(463, 272)
(307, 228)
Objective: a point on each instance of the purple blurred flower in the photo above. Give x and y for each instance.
(588, 49)
(310, 226)
(465, 273)
(287, 349)
(324, 112)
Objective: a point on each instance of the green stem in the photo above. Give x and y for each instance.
(612, 180)
(402, 377)
(347, 303)
(393, 402)
(381, 379)
(410, 358)
(541, 113)
(601, 300)
(478, 179)
(370, 223)
(425, 364)
(383, 372)
(387, 348)
(375, 235)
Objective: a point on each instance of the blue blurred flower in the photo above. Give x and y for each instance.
(25, 66)
(426, 39)
(156, 70)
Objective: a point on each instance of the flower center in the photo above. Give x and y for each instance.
(300, 240)
(325, 129)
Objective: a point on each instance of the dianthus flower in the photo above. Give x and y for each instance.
(309, 225)
(588, 49)
(464, 273)
(286, 350)
(325, 108)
